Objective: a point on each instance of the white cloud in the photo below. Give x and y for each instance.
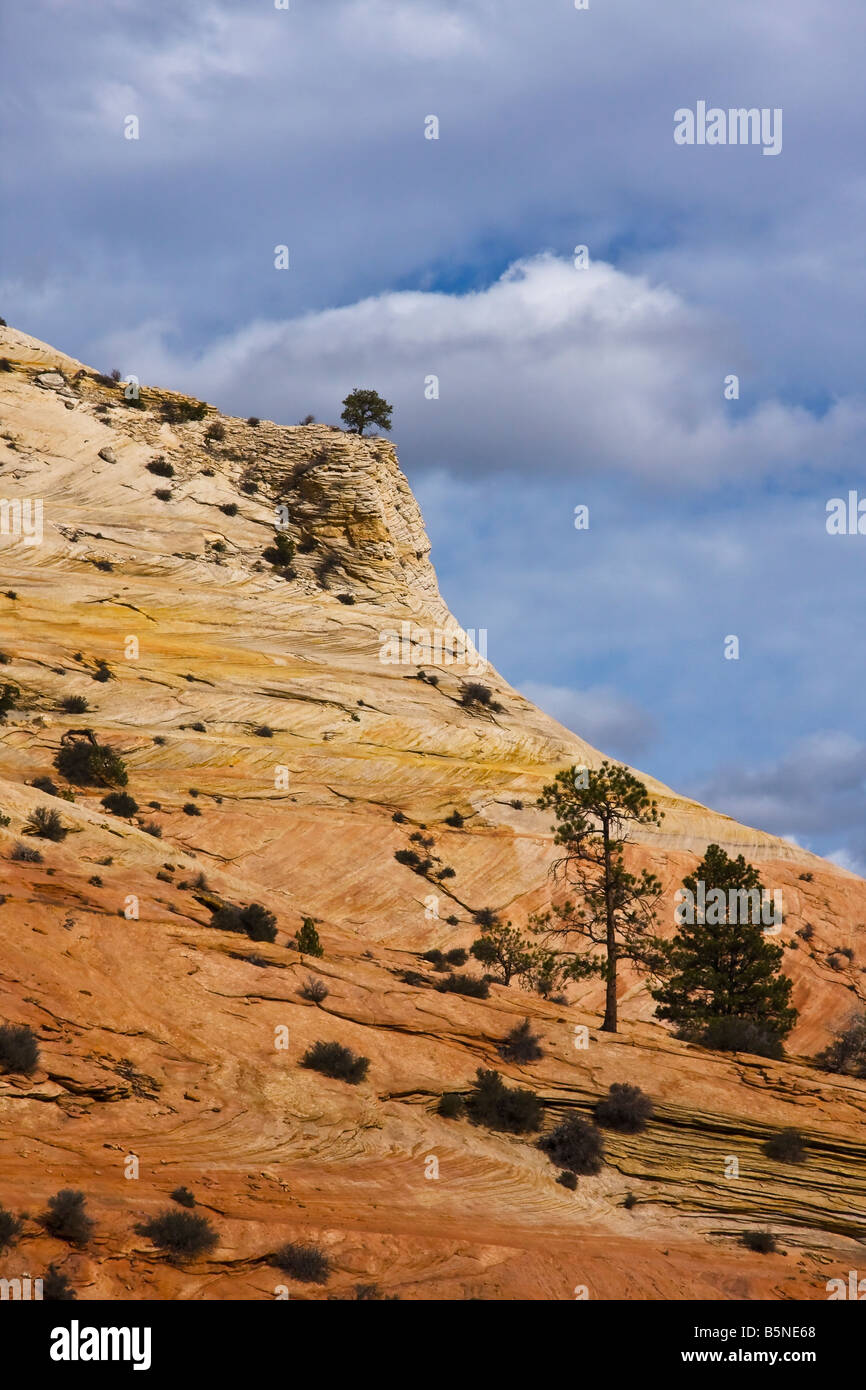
(549, 370)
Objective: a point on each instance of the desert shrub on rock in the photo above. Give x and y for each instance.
(305, 1263)
(520, 1045)
(56, 1288)
(10, 1228)
(183, 1197)
(45, 784)
(496, 1106)
(66, 1218)
(762, 1242)
(88, 763)
(9, 697)
(469, 985)
(161, 468)
(576, 1145)
(567, 1179)
(741, 1035)
(183, 1234)
(75, 704)
(25, 854)
(451, 1106)
(625, 1108)
(46, 824)
(788, 1146)
(254, 921)
(336, 1061)
(846, 1054)
(120, 804)
(19, 1048)
(314, 990)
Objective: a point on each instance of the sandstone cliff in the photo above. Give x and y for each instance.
(259, 698)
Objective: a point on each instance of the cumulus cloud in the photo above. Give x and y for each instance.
(551, 369)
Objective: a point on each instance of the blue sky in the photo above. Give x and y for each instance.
(558, 386)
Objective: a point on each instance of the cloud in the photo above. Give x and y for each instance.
(600, 715)
(551, 369)
(817, 790)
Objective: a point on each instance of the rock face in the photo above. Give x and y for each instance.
(278, 738)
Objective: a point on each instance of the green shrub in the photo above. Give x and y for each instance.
(254, 921)
(497, 1106)
(66, 1218)
(520, 1045)
(567, 1179)
(180, 411)
(120, 804)
(576, 1145)
(304, 1263)
(308, 942)
(451, 1106)
(625, 1108)
(190, 809)
(470, 985)
(741, 1035)
(336, 1061)
(183, 1197)
(45, 784)
(282, 552)
(9, 697)
(182, 1233)
(90, 764)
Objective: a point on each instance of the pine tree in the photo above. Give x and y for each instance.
(594, 809)
(308, 939)
(362, 408)
(723, 966)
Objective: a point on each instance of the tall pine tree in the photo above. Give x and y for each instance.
(723, 966)
(594, 809)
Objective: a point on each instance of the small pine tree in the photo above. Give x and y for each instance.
(726, 968)
(308, 939)
(362, 408)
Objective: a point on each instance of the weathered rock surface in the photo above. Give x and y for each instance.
(157, 1032)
